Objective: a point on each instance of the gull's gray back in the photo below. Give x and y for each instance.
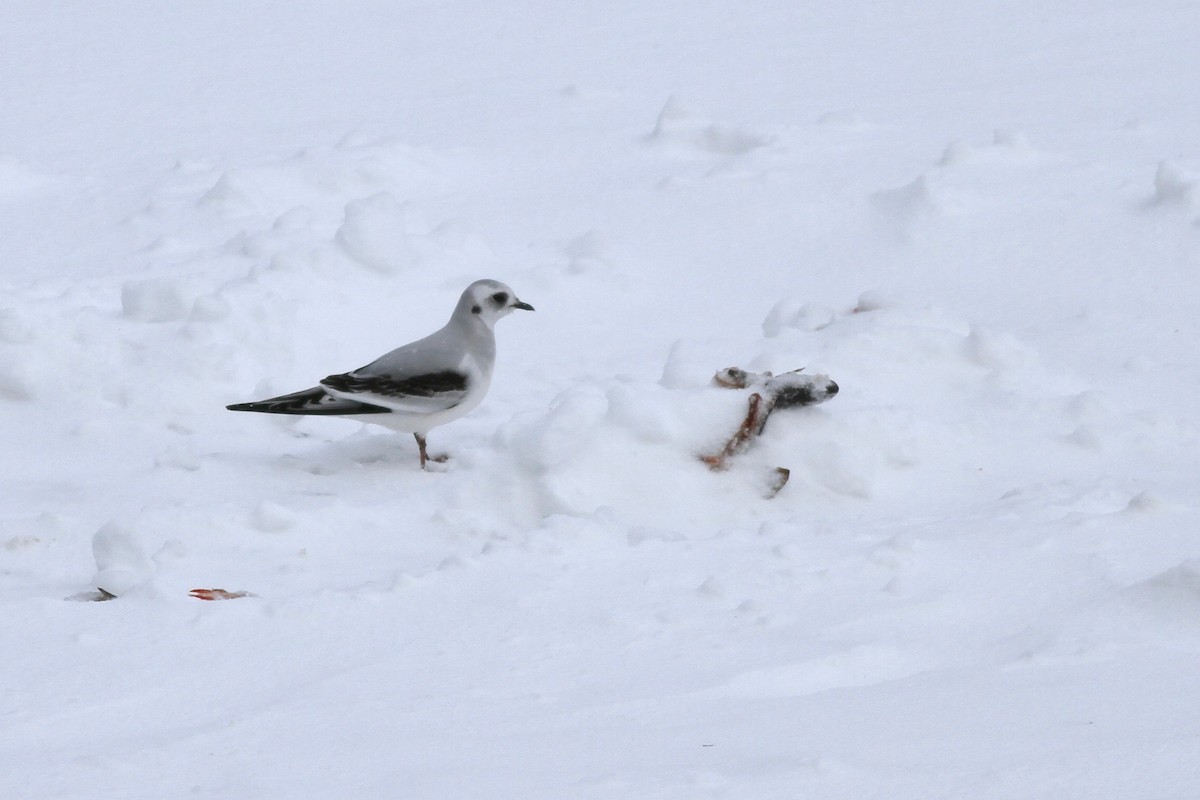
(458, 342)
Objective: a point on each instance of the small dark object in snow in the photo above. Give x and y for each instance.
(733, 378)
(788, 390)
(97, 596)
(784, 391)
(778, 478)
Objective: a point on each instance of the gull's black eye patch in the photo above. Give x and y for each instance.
(500, 298)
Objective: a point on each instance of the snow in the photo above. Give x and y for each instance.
(982, 579)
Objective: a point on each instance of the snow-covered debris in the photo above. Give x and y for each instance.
(772, 392)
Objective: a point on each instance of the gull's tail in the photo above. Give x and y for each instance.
(310, 401)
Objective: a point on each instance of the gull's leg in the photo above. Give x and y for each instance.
(425, 453)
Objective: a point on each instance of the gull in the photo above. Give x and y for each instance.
(421, 385)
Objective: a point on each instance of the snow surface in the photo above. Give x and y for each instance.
(981, 220)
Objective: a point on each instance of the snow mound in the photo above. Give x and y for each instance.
(588, 252)
(1177, 183)
(1172, 595)
(1007, 147)
(155, 299)
(235, 194)
(920, 393)
(963, 183)
(378, 232)
(682, 130)
(800, 316)
(909, 203)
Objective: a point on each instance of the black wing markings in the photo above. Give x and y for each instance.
(430, 384)
(317, 401)
(309, 401)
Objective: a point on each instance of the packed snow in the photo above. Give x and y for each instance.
(982, 579)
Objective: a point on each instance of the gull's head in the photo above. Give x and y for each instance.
(488, 301)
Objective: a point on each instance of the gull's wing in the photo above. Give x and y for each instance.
(425, 393)
(425, 377)
(428, 376)
(310, 401)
